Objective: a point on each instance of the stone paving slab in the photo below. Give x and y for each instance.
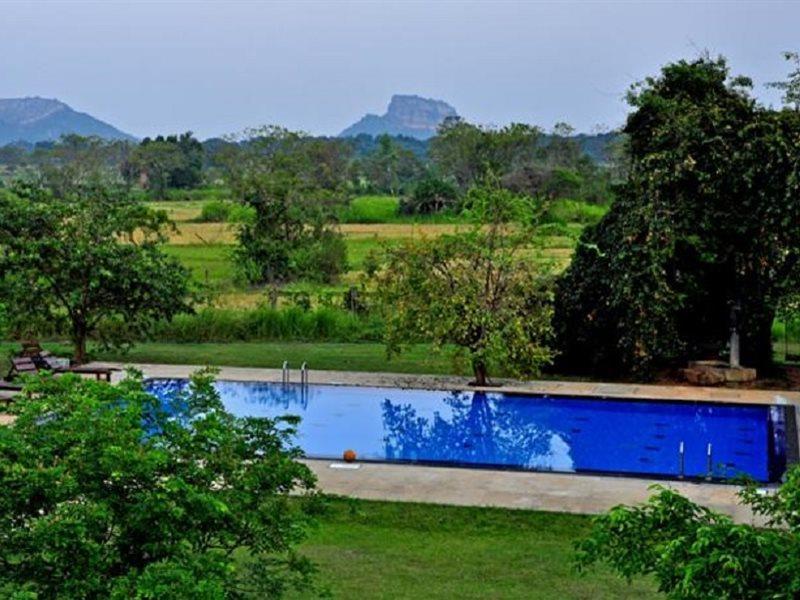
(578, 388)
(552, 492)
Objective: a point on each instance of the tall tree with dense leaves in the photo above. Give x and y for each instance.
(89, 256)
(790, 87)
(108, 492)
(163, 163)
(389, 168)
(468, 152)
(482, 290)
(296, 185)
(693, 552)
(704, 224)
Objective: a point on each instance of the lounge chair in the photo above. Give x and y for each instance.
(21, 366)
(44, 361)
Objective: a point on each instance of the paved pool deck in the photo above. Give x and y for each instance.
(574, 493)
(549, 492)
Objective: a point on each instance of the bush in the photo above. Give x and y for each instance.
(239, 213)
(692, 551)
(320, 260)
(267, 324)
(216, 211)
(431, 195)
(574, 211)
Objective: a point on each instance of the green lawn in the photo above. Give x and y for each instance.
(393, 550)
(214, 263)
(324, 356)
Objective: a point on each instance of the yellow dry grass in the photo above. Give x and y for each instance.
(225, 233)
(189, 234)
(398, 230)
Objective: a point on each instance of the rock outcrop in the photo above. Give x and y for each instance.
(411, 116)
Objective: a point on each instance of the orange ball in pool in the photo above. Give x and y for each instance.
(349, 456)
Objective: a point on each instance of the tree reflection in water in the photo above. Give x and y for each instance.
(290, 397)
(478, 430)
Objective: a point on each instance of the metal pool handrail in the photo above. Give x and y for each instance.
(285, 372)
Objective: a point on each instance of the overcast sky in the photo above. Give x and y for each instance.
(217, 67)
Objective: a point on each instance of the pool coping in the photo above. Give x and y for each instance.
(636, 391)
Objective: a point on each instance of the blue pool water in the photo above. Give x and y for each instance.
(543, 433)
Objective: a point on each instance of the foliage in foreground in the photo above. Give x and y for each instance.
(106, 493)
(480, 290)
(696, 553)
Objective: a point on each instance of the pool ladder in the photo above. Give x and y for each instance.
(285, 374)
(682, 461)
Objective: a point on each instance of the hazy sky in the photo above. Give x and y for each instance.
(217, 67)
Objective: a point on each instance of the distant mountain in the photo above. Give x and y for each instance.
(40, 119)
(410, 116)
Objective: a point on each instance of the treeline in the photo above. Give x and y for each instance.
(531, 160)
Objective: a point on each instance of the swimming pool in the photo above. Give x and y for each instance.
(531, 432)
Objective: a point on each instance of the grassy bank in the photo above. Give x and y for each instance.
(324, 356)
(393, 550)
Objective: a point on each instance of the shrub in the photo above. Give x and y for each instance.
(266, 324)
(692, 551)
(239, 213)
(431, 195)
(574, 211)
(216, 211)
(320, 259)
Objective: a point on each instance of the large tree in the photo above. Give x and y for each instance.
(161, 163)
(108, 492)
(705, 223)
(296, 185)
(468, 152)
(482, 290)
(389, 168)
(89, 256)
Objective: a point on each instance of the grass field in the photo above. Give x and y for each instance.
(371, 223)
(319, 355)
(372, 209)
(397, 551)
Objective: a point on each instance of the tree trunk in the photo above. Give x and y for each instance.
(79, 335)
(481, 376)
(756, 342)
